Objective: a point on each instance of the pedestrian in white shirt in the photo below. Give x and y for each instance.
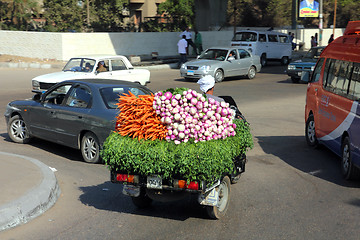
(188, 37)
(182, 49)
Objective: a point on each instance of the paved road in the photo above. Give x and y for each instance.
(289, 191)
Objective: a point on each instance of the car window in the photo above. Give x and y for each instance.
(233, 54)
(214, 54)
(273, 38)
(118, 64)
(111, 95)
(262, 37)
(79, 65)
(283, 39)
(243, 53)
(245, 36)
(79, 97)
(57, 95)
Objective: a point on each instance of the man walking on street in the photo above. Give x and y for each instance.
(182, 49)
(188, 37)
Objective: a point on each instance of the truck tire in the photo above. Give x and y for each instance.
(142, 201)
(219, 211)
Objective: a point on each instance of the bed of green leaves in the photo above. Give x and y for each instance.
(199, 161)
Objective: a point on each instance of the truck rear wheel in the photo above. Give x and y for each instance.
(142, 201)
(219, 211)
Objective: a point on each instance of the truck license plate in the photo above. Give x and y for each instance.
(154, 182)
(190, 72)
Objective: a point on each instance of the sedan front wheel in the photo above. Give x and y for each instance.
(17, 130)
(90, 148)
(219, 75)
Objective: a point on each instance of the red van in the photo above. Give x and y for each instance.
(332, 111)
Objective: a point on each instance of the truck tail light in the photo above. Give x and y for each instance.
(120, 177)
(184, 185)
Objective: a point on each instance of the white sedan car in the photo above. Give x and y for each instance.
(114, 67)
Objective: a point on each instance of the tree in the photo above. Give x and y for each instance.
(17, 14)
(107, 15)
(63, 15)
(181, 13)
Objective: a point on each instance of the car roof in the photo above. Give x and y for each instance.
(100, 56)
(106, 82)
(262, 32)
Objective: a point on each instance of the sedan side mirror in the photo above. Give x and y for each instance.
(37, 97)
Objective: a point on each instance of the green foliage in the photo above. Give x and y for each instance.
(206, 160)
(178, 14)
(17, 14)
(107, 15)
(63, 15)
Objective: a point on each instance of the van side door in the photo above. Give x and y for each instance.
(273, 47)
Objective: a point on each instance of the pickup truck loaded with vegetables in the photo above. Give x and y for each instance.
(175, 143)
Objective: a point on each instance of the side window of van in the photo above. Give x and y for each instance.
(283, 39)
(354, 89)
(342, 83)
(273, 38)
(262, 38)
(316, 74)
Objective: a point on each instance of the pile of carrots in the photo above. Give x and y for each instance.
(138, 119)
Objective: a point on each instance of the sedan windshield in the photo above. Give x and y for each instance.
(80, 65)
(214, 54)
(111, 95)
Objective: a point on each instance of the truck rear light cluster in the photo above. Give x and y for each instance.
(183, 184)
(120, 177)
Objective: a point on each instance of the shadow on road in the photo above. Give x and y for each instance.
(54, 148)
(108, 196)
(319, 162)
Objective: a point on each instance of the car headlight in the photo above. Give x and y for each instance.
(183, 66)
(312, 68)
(204, 68)
(35, 85)
(291, 67)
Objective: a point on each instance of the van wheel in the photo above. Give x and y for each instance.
(263, 60)
(219, 75)
(251, 73)
(349, 171)
(284, 60)
(310, 132)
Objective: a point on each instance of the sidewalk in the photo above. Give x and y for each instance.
(28, 188)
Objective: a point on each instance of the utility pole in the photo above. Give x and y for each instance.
(321, 23)
(234, 3)
(334, 24)
(88, 14)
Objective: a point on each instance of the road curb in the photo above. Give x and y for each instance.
(33, 203)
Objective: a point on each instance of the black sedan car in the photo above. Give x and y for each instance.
(77, 113)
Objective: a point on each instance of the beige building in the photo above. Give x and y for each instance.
(141, 9)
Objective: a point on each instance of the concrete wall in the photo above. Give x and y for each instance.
(62, 46)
